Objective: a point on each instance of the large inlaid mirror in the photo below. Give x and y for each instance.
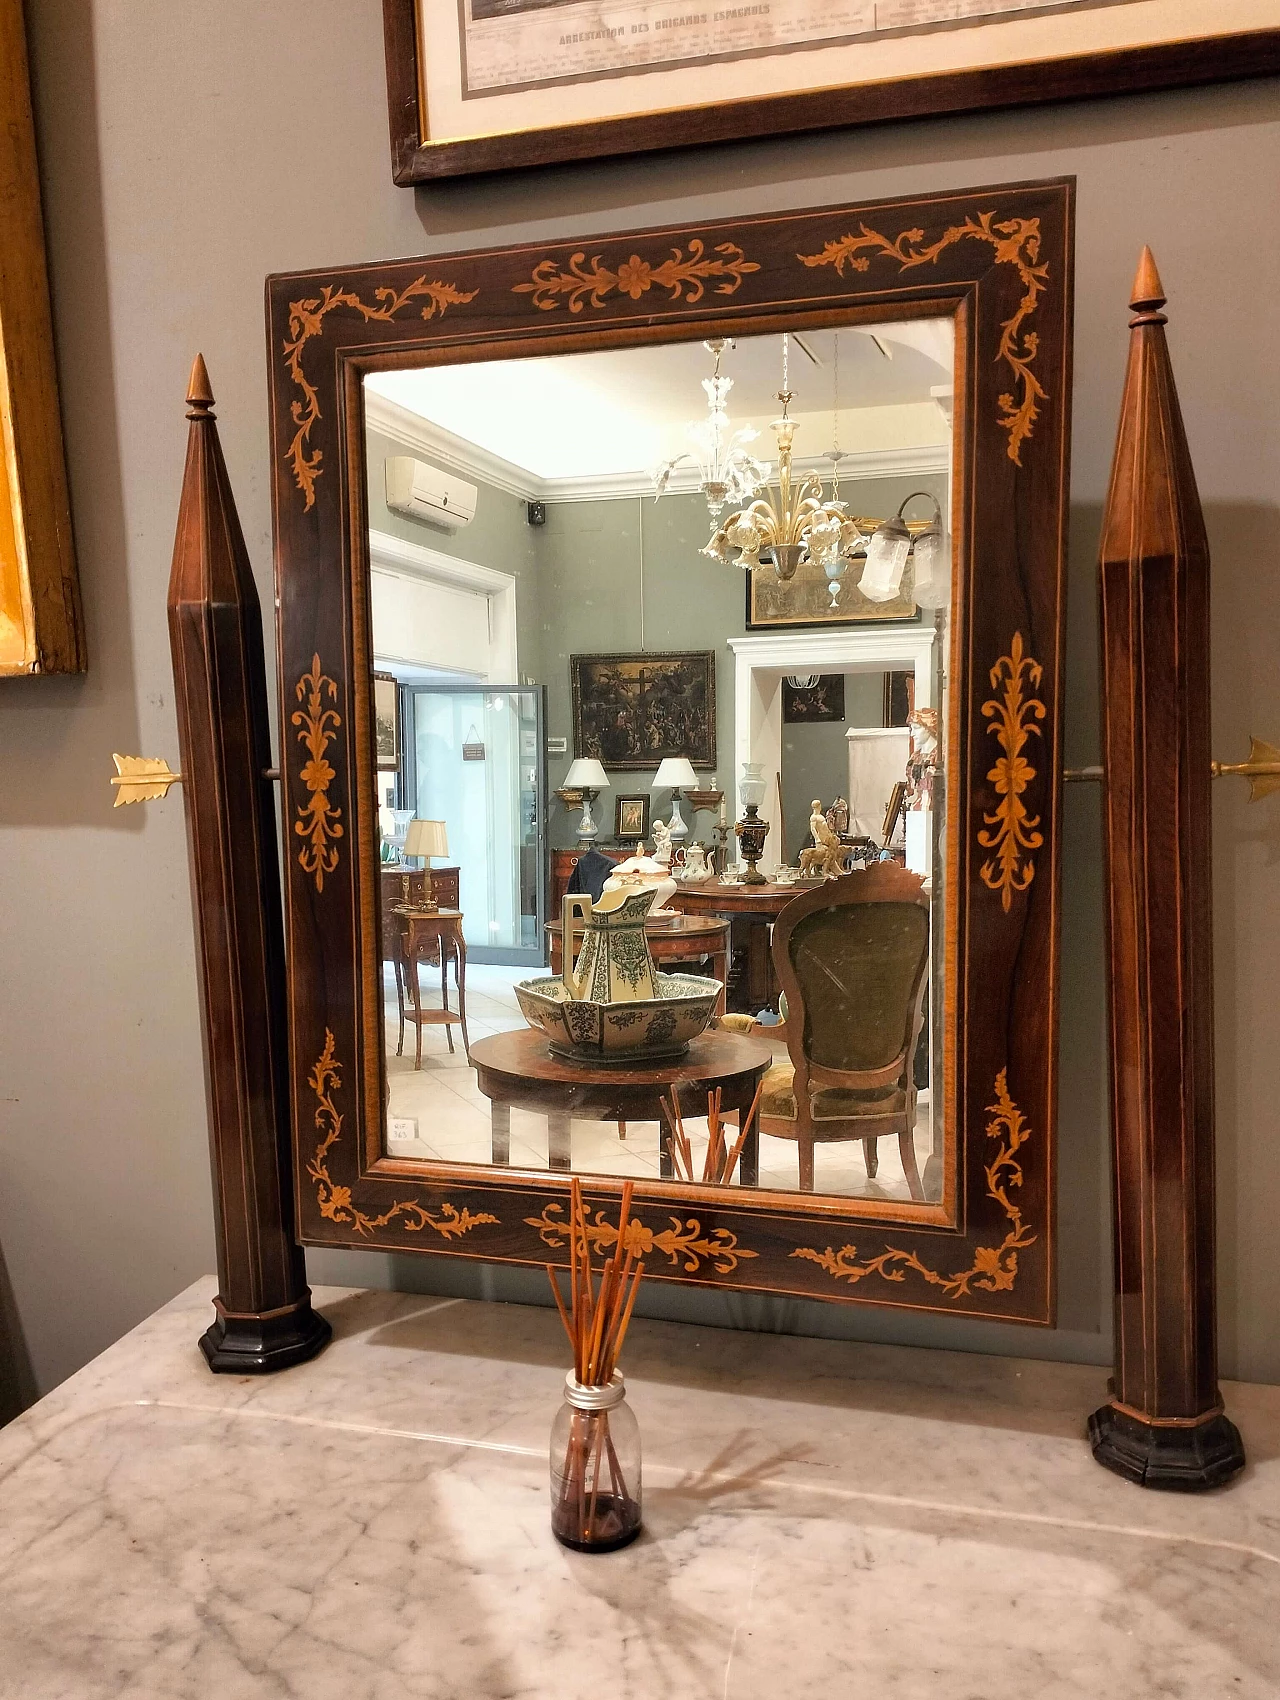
(670, 643)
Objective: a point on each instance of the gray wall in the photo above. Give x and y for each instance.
(189, 149)
(596, 601)
(815, 758)
(500, 536)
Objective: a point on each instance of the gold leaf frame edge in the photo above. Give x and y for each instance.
(994, 1268)
(335, 1202)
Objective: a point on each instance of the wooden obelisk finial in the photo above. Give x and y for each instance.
(199, 390)
(264, 1317)
(1164, 1426)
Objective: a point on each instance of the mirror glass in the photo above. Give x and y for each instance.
(675, 617)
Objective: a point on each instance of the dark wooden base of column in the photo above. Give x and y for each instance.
(1185, 1459)
(260, 1345)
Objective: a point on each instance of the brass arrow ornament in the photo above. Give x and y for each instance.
(1262, 769)
(139, 779)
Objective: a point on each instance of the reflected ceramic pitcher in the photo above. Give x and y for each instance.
(614, 964)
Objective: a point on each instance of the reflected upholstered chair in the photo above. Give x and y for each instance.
(852, 957)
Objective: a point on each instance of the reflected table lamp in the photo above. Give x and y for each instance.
(426, 838)
(676, 774)
(588, 776)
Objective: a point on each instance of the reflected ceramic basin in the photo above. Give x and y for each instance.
(642, 1031)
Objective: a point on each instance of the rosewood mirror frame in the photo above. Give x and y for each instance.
(1000, 261)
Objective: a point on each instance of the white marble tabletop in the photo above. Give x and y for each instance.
(821, 1521)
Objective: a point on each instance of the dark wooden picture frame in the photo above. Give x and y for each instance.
(813, 705)
(1159, 64)
(623, 832)
(1000, 262)
(644, 692)
(386, 718)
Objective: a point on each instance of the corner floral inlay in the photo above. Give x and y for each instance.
(306, 320)
(684, 1241)
(1017, 243)
(1013, 831)
(335, 1201)
(994, 1268)
(319, 821)
(685, 278)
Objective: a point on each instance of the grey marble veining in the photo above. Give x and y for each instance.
(822, 1519)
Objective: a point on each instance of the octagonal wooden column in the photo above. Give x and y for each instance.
(1164, 1426)
(264, 1317)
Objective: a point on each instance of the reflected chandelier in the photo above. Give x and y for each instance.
(728, 472)
(795, 523)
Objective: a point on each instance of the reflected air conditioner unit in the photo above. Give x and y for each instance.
(424, 492)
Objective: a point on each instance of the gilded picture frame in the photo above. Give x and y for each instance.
(41, 628)
(462, 97)
(633, 711)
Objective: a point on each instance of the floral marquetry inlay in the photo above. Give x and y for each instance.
(1012, 831)
(1016, 242)
(683, 1242)
(306, 320)
(683, 276)
(994, 1268)
(335, 1201)
(319, 822)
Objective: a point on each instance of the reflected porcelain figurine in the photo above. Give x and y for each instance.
(827, 855)
(662, 843)
(838, 817)
(924, 758)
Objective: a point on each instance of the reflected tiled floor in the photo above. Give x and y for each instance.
(437, 1112)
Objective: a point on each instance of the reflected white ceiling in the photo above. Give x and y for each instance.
(623, 411)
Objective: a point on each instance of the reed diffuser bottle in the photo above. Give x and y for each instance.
(595, 1440)
(595, 1467)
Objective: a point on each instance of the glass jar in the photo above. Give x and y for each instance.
(595, 1467)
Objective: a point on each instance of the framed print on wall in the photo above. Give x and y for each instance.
(631, 816)
(386, 721)
(484, 85)
(632, 711)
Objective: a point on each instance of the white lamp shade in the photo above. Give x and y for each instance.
(585, 772)
(426, 838)
(675, 774)
(887, 555)
(932, 555)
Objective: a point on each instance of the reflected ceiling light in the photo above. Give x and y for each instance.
(727, 472)
(784, 526)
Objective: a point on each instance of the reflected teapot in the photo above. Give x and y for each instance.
(614, 964)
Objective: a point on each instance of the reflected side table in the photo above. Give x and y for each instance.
(430, 933)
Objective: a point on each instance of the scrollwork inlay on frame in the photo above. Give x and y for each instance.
(306, 320)
(1017, 243)
(335, 1201)
(319, 821)
(684, 276)
(683, 1242)
(994, 1268)
(1012, 831)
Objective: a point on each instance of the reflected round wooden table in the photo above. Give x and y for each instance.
(517, 1069)
(752, 907)
(672, 938)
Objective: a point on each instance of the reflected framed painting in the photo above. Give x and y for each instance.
(485, 85)
(40, 623)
